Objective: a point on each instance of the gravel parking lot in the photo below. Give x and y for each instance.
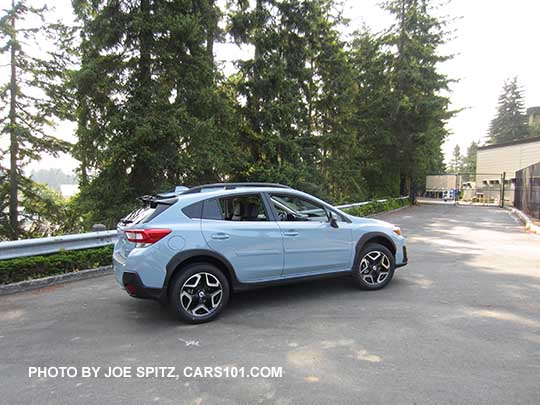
(459, 324)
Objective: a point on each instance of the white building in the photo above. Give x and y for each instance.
(494, 160)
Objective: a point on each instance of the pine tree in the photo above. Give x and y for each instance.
(510, 123)
(297, 93)
(420, 108)
(469, 162)
(456, 164)
(375, 153)
(151, 109)
(29, 109)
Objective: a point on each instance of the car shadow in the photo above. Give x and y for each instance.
(301, 294)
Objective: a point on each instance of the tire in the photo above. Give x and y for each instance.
(195, 296)
(368, 278)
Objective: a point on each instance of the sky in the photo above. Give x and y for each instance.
(492, 41)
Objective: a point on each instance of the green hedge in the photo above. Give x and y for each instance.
(376, 207)
(25, 268)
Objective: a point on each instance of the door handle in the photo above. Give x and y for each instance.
(292, 233)
(220, 236)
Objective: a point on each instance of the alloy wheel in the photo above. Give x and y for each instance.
(375, 267)
(201, 294)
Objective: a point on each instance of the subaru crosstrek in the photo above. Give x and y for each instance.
(193, 247)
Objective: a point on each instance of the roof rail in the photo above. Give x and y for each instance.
(231, 186)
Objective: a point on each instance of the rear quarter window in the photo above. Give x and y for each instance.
(193, 211)
(212, 210)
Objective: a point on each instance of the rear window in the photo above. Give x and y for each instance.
(144, 214)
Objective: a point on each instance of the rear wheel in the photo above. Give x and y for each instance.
(199, 293)
(375, 267)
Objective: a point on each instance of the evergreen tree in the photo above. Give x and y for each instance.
(469, 161)
(297, 93)
(27, 110)
(151, 110)
(456, 164)
(510, 123)
(375, 152)
(534, 129)
(420, 108)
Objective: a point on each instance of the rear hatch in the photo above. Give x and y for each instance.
(151, 207)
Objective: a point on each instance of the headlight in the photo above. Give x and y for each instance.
(397, 230)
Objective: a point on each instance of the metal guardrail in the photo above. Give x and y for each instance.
(53, 244)
(369, 202)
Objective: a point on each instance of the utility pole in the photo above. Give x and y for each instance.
(14, 146)
(503, 180)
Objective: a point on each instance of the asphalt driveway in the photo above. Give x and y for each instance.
(459, 324)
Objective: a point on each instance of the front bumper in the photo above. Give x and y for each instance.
(405, 258)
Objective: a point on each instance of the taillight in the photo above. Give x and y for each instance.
(146, 236)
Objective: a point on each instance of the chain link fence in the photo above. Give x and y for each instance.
(527, 190)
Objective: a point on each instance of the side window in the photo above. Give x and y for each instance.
(211, 210)
(248, 207)
(193, 211)
(292, 208)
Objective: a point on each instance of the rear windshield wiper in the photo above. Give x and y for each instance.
(154, 200)
(146, 198)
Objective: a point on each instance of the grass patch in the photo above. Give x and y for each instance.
(67, 261)
(375, 207)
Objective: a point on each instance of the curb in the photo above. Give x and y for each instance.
(529, 225)
(29, 285)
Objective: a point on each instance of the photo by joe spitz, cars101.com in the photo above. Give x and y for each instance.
(193, 247)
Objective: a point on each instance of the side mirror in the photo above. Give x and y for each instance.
(332, 219)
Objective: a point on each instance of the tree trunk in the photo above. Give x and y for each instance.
(14, 147)
(145, 58)
(140, 178)
(211, 32)
(255, 99)
(405, 185)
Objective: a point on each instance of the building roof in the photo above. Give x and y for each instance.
(502, 145)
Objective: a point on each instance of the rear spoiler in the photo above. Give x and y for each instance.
(167, 198)
(154, 200)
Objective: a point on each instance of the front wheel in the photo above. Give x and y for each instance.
(199, 293)
(374, 268)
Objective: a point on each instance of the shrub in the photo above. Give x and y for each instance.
(25, 268)
(374, 207)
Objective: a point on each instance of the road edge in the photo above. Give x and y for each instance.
(383, 213)
(529, 225)
(34, 284)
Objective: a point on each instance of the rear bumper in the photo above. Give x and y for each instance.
(133, 285)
